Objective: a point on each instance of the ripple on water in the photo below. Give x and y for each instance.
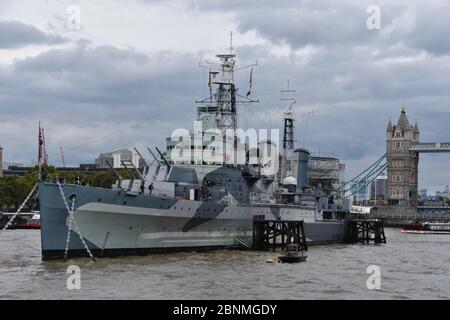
(411, 268)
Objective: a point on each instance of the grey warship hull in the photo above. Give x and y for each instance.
(117, 223)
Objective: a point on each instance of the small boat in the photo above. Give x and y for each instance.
(293, 254)
(32, 223)
(427, 228)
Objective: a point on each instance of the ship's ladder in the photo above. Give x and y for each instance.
(243, 241)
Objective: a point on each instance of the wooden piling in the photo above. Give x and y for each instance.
(270, 235)
(365, 231)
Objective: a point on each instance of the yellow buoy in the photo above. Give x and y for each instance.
(270, 260)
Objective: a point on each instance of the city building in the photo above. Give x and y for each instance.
(401, 163)
(378, 188)
(116, 157)
(360, 191)
(444, 194)
(423, 194)
(6, 165)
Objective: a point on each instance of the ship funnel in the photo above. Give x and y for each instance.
(302, 158)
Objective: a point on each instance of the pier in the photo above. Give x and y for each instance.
(270, 235)
(365, 231)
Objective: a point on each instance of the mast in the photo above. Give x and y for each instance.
(288, 95)
(221, 106)
(40, 152)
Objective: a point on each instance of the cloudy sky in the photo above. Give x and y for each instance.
(129, 73)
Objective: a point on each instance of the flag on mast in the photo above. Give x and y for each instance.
(41, 143)
(250, 83)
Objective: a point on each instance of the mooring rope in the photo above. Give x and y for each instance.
(69, 229)
(11, 220)
(72, 220)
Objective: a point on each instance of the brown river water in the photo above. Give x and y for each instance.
(411, 266)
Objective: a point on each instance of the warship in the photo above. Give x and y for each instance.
(202, 192)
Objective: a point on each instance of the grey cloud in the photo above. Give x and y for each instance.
(94, 99)
(353, 93)
(419, 25)
(431, 30)
(119, 97)
(14, 34)
(301, 23)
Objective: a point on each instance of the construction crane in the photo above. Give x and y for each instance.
(62, 157)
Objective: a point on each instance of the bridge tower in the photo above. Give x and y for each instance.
(402, 164)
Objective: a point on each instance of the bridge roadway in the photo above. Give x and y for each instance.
(401, 216)
(430, 147)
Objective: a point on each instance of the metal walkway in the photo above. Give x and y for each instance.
(430, 147)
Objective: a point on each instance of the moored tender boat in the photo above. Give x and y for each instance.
(293, 254)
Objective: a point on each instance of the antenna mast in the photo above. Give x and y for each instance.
(231, 42)
(40, 143)
(220, 107)
(288, 133)
(42, 151)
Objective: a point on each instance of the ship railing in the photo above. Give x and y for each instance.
(438, 216)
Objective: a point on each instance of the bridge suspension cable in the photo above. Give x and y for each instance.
(366, 177)
(363, 183)
(375, 164)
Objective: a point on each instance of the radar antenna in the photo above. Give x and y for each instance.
(288, 95)
(221, 104)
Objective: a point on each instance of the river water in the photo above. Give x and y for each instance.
(412, 267)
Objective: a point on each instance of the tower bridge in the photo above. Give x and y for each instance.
(402, 157)
(401, 161)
